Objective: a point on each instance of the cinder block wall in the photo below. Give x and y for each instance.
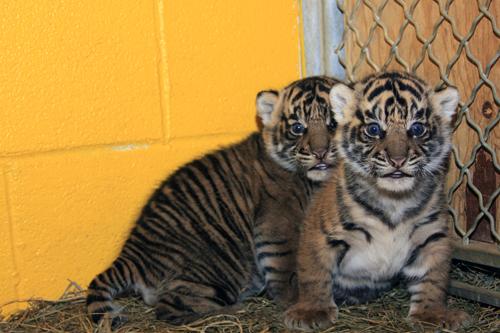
(100, 100)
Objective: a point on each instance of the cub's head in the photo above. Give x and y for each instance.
(299, 126)
(397, 128)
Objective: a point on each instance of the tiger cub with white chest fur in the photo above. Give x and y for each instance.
(382, 217)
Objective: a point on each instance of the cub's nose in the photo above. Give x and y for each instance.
(398, 161)
(319, 153)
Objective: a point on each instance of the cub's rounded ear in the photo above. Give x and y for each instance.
(265, 102)
(341, 97)
(445, 102)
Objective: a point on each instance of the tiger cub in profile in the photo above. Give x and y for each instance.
(381, 217)
(225, 226)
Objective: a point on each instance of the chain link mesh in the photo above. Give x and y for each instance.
(442, 39)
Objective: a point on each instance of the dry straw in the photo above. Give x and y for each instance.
(386, 314)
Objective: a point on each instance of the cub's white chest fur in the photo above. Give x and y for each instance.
(380, 259)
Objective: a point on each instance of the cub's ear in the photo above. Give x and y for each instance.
(341, 97)
(445, 102)
(266, 101)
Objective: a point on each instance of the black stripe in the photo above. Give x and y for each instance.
(406, 87)
(400, 100)
(297, 96)
(297, 197)
(92, 298)
(427, 220)
(426, 191)
(120, 274)
(339, 243)
(238, 178)
(113, 277)
(223, 296)
(433, 282)
(152, 222)
(264, 255)
(176, 215)
(379, 213)
(265, 190)
(104, 279)
(271, 177)
(432, 238)
(368, 86)
(93, 286)
(100, 312)
(227, 213)
(379, 90)
(345, 217)
(269, 269)
(155, 248)
(171, 234)
(205, 203)
(354, 227)
(359, 115)
(137, 258)
(211, 220)
(141, 262)
(219, 165)
(179, 305)
(266, 243)
(127, 271)
(205, 237)
(188, 241)
(388, 103)
(419, 114)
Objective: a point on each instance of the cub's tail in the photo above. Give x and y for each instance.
(116, 280)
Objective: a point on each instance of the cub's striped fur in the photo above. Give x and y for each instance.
(225, 226)
(381, 218)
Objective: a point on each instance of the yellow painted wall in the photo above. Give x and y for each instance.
(100, 100)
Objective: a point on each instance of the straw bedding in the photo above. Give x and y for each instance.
(386, 314)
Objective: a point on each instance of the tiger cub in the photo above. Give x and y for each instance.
(224, 226)
(381, 218)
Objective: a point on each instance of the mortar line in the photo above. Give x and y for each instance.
(78, 148)
(84, 148)
(162, 68)
(15, 265)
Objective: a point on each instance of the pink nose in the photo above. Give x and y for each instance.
(398, 161)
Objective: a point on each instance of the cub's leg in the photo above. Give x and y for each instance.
(185, 300)
(427, 273)
(317, 258)
(276, 240)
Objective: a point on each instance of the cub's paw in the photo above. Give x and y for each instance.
(456, 319)
(111, 322)
(449, 319)
(308, 317)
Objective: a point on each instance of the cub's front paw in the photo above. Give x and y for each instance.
(308, 317)
(449, 319)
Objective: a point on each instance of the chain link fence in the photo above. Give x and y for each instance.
(447, 42)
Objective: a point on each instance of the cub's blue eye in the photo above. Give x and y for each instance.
(298, 128)
(416, 129)
(373, 129)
